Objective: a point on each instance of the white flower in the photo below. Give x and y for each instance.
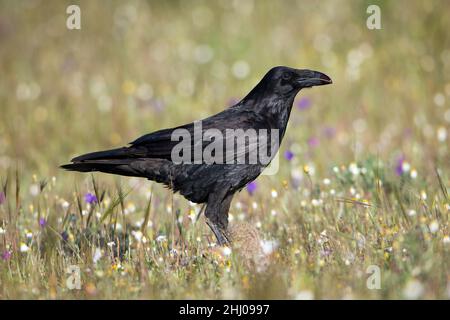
(411, 213)
(137, 235)
(434, 226)
(304, 295)
(34, 190)
(161, 238)
(240, 69)
(413, 289)
(64, 204)
(97, 255)
(2, 231)
(274, 193)
(406, 166)
(24, 247)
(268, 246)
(226, 251)
(353, 168)
(442, 134)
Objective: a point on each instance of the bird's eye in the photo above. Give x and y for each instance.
(286, 76)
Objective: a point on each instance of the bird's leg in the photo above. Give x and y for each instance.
(220, 234)
(216, 214)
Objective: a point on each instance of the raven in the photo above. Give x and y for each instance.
(266, 107)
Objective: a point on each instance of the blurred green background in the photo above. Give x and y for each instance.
(361, 189)
(138, 66)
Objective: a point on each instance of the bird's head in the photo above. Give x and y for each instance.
(286, 82)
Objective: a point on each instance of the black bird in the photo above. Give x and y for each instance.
(267, 106)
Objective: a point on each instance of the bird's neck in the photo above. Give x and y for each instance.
(271, 112)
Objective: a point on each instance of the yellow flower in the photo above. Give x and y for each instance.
(129, 87)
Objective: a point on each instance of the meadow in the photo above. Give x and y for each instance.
(362, 189)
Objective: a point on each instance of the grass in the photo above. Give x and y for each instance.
(367, 185)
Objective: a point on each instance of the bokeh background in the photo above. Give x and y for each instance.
(138, 66)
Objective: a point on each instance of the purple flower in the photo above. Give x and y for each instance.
(329, 132)
(64, 235)
(304, 103)
(2, 197)
(289, 155)
(90, 198)
(251, 187)
(6, 255)
(313, 142)
(42, 222)
(399, 166)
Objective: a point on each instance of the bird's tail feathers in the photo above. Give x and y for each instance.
(118, 153)
(116, 166)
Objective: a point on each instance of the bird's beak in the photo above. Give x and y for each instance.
(309, 78)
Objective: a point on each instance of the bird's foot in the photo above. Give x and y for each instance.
(221, 234)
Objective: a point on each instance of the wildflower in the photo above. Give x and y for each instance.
(64, 235)
(413, 289)
(423, 195)
(411, 213)
(304, 295)
(289, 155)
(251, 187)
(313, 142)
(434, 226)
(128, 87)
(65, 204)
(90, 198)
(399, 167)
(2, 197)
(329, 132)
(326, 181)
(161, 238)
(226, 251)
(304, 103)
(34, 190)
(24, 247)
(413, 174)
(442, 134)
(274, 193)
(353, 168)
(137, 235)
(97, 255)
(42, 222)
(2, 231)
(268, 246)
(6, 255)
